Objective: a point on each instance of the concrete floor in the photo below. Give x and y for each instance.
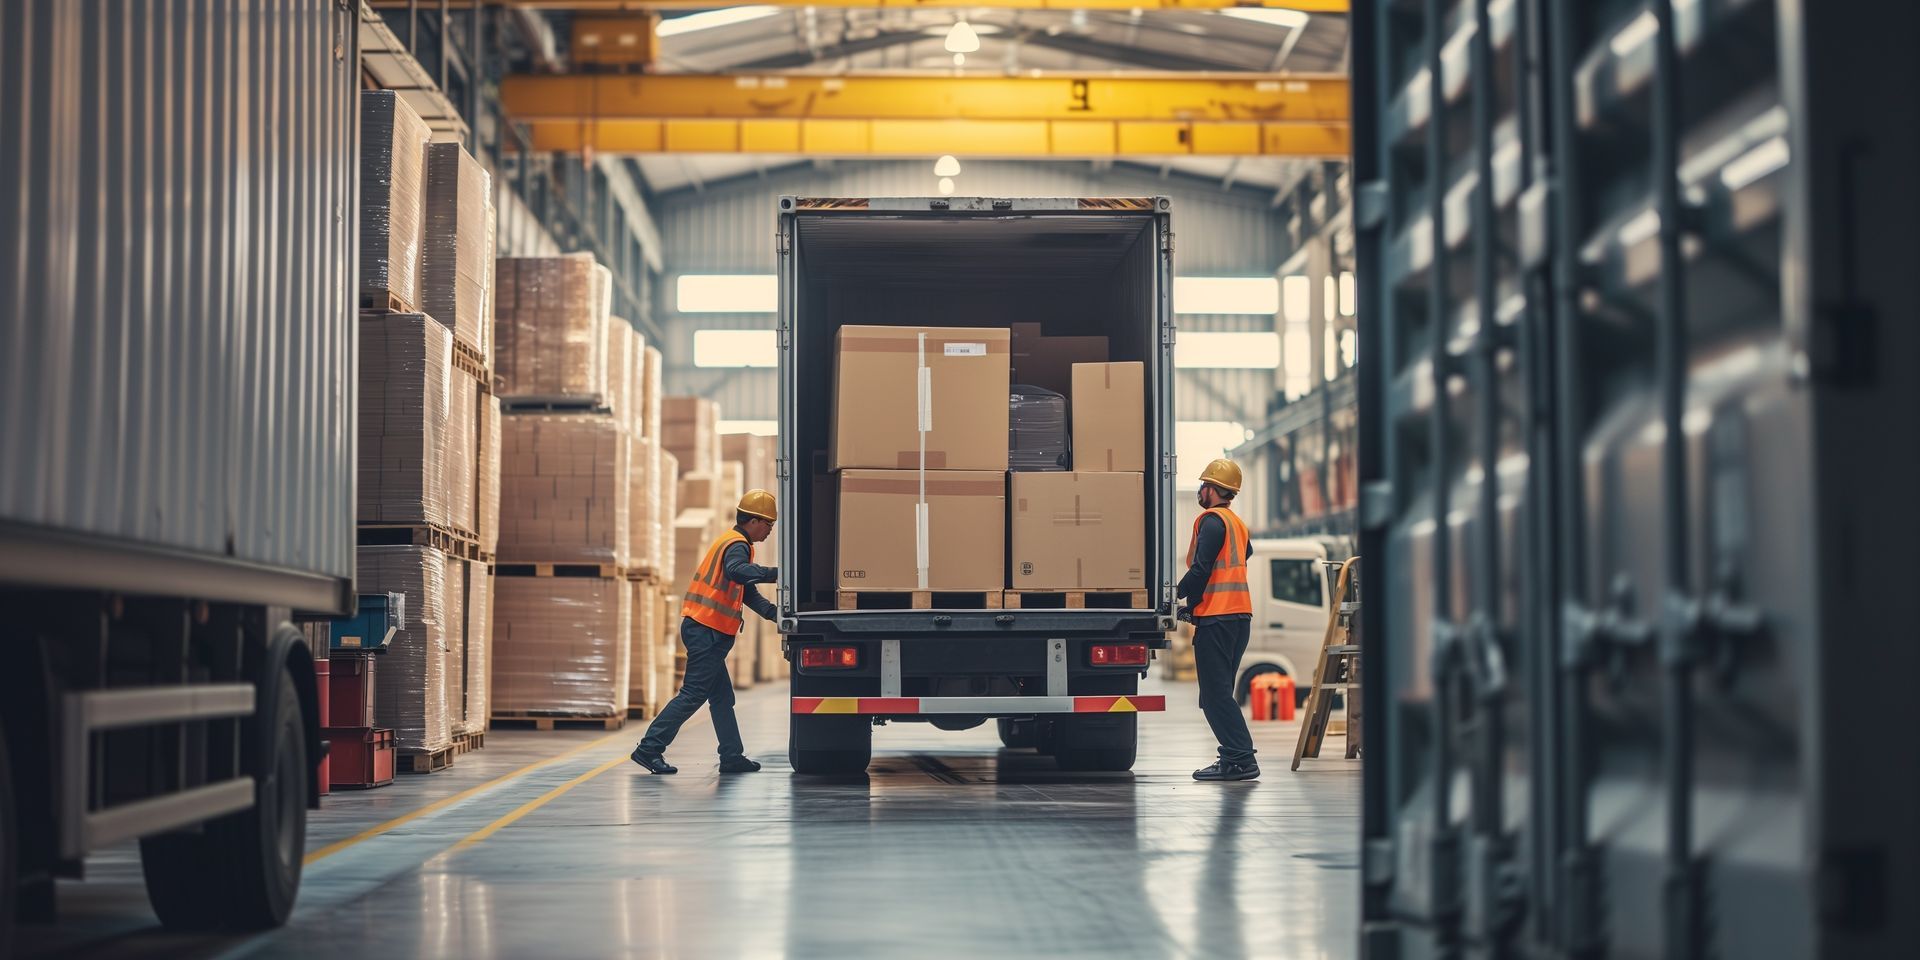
(951, 846)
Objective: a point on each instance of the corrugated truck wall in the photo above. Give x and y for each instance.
(177, 344)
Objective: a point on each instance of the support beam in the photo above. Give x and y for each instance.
(1127, 115)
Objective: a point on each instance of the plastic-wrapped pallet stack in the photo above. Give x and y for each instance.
(646, 533)
(393, 145)
(578, 500)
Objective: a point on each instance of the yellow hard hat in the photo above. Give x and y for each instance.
(1222, 473)
(759, 503)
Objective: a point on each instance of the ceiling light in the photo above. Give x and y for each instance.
(946, 166)
(959, 59)
(946, 186)
(962, 39)
(1291, 19)
(709, 19)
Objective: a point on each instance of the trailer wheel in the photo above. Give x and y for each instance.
(1106, 743)
(829, 745)
(1018, 734)
(9, 856)
(243, 871)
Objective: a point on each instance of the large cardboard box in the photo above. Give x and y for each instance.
(393, 150)
(1079, 531)
(1110, 417)
(564, 489)
(561, 645)
(689, 429)
(552, 327)
(454, 247)
(966, 520)
(408, 471)
(755, 455)
(876, 398)
(1047, 362)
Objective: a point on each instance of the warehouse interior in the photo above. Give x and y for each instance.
(391, 386)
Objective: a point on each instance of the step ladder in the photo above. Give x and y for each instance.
(1337, 670)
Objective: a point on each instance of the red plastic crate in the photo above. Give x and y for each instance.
(321, 677)
(350, 694)
(361, 757)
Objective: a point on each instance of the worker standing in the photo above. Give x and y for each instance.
(710, 618)
(1221, 610)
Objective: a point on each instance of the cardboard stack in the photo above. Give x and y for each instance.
(1085, 529)
(577, 479)
(455, 251)
(690, 431)
(393, 144)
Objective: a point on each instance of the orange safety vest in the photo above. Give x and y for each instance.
(712, 600)
(1227, 587)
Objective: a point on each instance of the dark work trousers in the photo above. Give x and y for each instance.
(707, 682)
(1218, 645)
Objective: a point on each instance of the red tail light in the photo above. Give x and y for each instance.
(1117, 655)
(830, 658)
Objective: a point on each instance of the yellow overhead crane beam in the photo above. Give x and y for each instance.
(601, 6)
(1084, 116)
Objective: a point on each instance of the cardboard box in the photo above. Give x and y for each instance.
(552, 328)
(1110, 417)
(876, 393)
(408, 471)
(1047, 362)
(411, 683)
(690, 430)
(393, 150)
(1079, 531)
(565, 489)
(966, 520)
(455, 248)
(561, 645)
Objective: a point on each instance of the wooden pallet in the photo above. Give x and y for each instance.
(468, 742)
(424, 762)
(540, 722)
(385, 301)
(468, 359)
(1076, 600)
(603, 570)
(644, 573)
(917, 600)
(553, 405)
(452, 542)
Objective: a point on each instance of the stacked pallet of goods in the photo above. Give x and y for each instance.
(569, 386)
(647, 536)
(429, 440)
(755, 455)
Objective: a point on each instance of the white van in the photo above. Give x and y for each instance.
(1291, 585)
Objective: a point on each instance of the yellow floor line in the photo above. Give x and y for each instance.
(445, 802)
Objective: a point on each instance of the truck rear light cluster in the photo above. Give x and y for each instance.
(1117, 654)
(833, 658)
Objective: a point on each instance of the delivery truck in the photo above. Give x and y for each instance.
(922, 581)
(177, 422)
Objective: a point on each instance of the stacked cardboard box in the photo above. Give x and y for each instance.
(690, 430)
(561, 646)
(455, 252)
(393, 144)
(908, 496)
(408, 470)
(551, 324)
(564, 489)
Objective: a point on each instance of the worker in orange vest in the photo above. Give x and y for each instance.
(1221, 611)
(710, 617)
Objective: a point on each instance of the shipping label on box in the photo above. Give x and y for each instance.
(1109, 417)
(966, 519)
(881, 399)
(1079, 531)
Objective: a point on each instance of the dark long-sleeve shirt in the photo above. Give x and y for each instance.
(746, 573)
(1206, 548)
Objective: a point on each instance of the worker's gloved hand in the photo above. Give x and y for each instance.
(1184, 614)
(773, 575)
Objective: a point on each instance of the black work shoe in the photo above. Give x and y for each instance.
(739, 765)
(655, 763)
(1221, 770)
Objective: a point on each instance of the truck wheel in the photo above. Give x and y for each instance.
(1018, 734)
(243, 871)
(829, 745)
(9, 856)
(1096, 744)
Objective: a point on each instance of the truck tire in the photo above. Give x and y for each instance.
(1018, 734)
(1103, 744)
(9, 852)
(829, 745)
(243, 871)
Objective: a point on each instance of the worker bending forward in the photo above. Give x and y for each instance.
(710, 618)
(1215, 588)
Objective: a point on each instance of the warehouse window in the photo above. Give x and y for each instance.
(1296, 581)
(735, 348)
(708, 19)
(1195, 442)
(759, 428)
(1238, 351)
(1226, 295)
(727, 293)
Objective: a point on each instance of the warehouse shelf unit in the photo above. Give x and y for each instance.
(1626, 272)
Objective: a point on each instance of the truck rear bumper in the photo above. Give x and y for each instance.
(988, 706)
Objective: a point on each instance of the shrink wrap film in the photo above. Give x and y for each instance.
(479, 665)
(564, 489)
(1036, 429)
(551, 328)
(642, 662)
(643, 518)
(410, 693)
(667, 503)
(637, 347)
(621, 375)
(454, 244)
(406, 375)
(652, 394)
(562, 645)
(487, 483)
(393, 145)
(456, 609)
